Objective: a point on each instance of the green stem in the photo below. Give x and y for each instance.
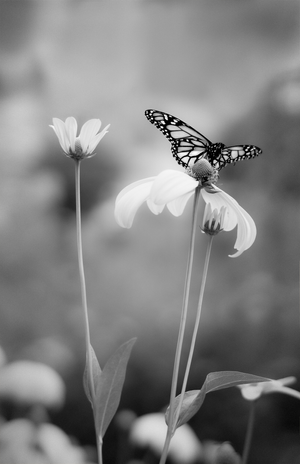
(249, 433)
(99, 449)
(196, 327)
(181, 328)
(89, 360)
(82, 277)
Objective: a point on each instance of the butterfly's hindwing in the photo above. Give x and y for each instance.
(189, 145)
(236, 153)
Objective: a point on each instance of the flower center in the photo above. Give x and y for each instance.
(204, 172)
(78, 149)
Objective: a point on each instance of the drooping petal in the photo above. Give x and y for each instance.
(235, 216)
(71, 130)
(88, 132)
(154, 208)
(60, 130)
(217, 200)
(170, 185)
(130, 199)
(177, 206)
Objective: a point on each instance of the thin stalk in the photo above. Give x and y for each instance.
(82, 277)
(89, 360)
(196, 327)
(249, 433)
(182, 326)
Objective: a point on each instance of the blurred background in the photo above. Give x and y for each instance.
(229, 68)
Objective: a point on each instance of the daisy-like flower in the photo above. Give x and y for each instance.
(83, 145)
(173, 189)
(253, 391)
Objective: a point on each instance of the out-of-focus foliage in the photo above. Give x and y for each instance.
(229, 69)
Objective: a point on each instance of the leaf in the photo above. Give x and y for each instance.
(194, 399)
(109, 387)
(96, 372)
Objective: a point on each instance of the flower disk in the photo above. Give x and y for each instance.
(203, 171)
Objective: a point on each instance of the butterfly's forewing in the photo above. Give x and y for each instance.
(187, 144)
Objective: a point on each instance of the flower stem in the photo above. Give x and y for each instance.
(249, 433)
(196, 326)
(89, 361)
(82, 277)
(182, 326)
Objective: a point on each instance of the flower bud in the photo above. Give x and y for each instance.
(213, 220)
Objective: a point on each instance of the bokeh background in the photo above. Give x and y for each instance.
(229, 68)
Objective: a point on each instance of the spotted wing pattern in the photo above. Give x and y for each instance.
(189, 145)
(232, 154)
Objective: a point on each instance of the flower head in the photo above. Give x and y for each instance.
(225, 454)
(173, 189)
(83, 145)
(28, 382)
(150, 430)
(253, 391)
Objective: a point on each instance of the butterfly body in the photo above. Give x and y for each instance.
(189, 146)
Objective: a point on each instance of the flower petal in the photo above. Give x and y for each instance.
(94, 142)
(286, 390)
(88, 132)
(60, 130)
(130, 199)
(154, 208)
(235, 216)
(71, 130)
(176, 207)
(170, 185)
(253, 391)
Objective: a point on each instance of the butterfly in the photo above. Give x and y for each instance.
(188, 145)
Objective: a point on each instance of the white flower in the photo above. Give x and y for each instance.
(173, 189)
(28, 382)
(149, 431)
(28, 442)
(83, 145)
(253, 391)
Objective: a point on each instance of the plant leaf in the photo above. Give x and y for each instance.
(109, 387)
(194, 399)
(96, 373)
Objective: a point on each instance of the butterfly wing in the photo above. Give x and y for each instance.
(187, 144)
(236, 153)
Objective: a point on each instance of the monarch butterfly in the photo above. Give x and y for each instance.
(188, 145)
